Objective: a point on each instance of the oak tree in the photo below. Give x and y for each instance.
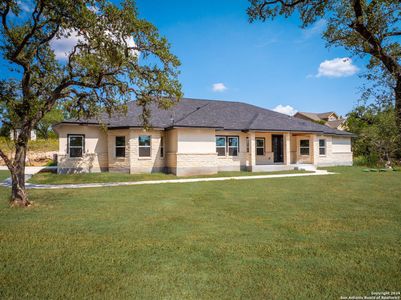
(116, 57)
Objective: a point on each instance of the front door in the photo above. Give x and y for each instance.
(278, 148)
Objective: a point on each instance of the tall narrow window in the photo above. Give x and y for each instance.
(221, 145)
(232, 145)
(247, 144)
(120, 146)
(161, 146)
(322, 147)
(304, 147)
(260, 146)
(144, 146)
(76, 145)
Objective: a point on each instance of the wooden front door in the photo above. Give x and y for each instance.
(278, 148)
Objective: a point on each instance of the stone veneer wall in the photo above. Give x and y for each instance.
(89, 163)
(234, 163)
(118, 164)
(195, 164)
(332, 157)
(95, 158)
(154, 163)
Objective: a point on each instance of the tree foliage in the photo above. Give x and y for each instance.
(368, 28)
(117, 57)
(44, 126)
(376, 132)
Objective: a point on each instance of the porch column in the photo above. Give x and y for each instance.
(252, 151)
(287, 148)
(315, 149)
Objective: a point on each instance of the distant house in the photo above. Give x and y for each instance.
(330, 119)
(199, 137)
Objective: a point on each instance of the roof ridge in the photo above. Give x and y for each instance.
(194, 111)
(253, 119)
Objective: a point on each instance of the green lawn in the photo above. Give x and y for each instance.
(52, 178)
(4, 175)
(318, 237)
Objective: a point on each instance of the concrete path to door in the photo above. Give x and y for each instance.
(112, 184)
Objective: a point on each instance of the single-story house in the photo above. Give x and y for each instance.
(199, 137)
(330, 119)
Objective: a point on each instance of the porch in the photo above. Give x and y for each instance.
(279, 151)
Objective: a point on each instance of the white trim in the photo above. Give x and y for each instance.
(150, 146)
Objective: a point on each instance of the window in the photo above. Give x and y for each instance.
(232, 146)
(322, 147)
(144, 146)
(247, 144)
(260, 146)
(120, 146)
(304, 147)
(227, 145)
(221, 145)
(76, 145)
(161, 146)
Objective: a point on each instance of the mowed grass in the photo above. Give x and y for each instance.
(318, 237)
(52, 178)
(4, 175)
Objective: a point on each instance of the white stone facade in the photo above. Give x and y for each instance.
(192, 151)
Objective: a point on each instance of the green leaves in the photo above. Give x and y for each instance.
(115, 57)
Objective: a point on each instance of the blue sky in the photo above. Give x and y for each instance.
(266, 64)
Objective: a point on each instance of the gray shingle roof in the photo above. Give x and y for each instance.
(225, 115)
(335, 123)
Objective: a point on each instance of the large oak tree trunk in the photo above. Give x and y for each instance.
(18, 193)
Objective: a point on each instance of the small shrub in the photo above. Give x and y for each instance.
(371, 160)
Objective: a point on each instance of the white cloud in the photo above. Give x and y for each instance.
(219, 87)
(63, 46)
(337, 67)
(287, 109)
(315, 29)
(25, 6)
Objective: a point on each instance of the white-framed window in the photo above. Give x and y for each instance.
(76, 145)
(161, 146)
(322, 147)
(227, 145)
(144, 142)
(120, 146)
(260, 146)
(233, 142)
(304, 147)
(221, 145)
(247, 144)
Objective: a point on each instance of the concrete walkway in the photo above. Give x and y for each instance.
(111, 184)
(32, 170)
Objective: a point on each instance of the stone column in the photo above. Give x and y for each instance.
(315, 149)
(252, 150)
(287, 148)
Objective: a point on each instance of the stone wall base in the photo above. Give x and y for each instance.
(81, 170)
(192, 171)
(147, 170)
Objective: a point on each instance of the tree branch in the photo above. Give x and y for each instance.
(376, 49)
(6, 160)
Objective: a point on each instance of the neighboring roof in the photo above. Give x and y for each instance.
(326, 115)
(217, 114)
(335, 123)
(312, 116)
